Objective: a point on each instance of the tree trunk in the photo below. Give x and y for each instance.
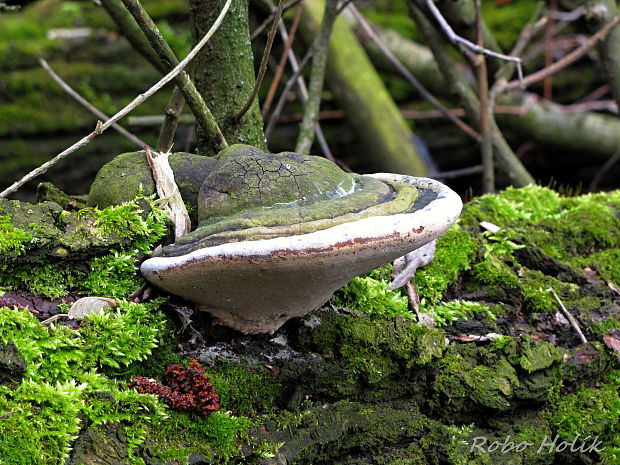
(224, 72)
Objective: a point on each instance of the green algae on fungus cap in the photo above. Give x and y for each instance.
(255, 285)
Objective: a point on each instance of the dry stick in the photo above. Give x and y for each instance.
(458, 173)
(101, 127)
(263, 64)
(506, 158)
(282, 63)
(171, 121)
(194, 99)
(269, 20)
(275, 116)
(570, 317)
(488, 174)
(567, 60)
(454, 37)
(303, 92)
(611, 161)
(410, 77)
(317, 77)
(82, 101)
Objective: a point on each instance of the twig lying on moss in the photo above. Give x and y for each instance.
(101, 127)
(86, 104)
(570, 317)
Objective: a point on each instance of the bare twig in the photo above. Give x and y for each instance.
(410, 77)
(566, 61)
(457, 173)
(263, 64)
(611, 161)
(570, 317)
(101, 127)
(488, 173)
(319, 64)
(171, 120)
(275, 116)
(194, 99)
(269, 20)
(82, 101)
(281, 64)
(507, 161)
(303, 92)
(454, 37)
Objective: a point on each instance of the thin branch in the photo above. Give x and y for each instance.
(303, 91)
(269, 20)
(171, 121)
(611, 161)
(319, 64)
(275, 116)
(82, 101)
(282, 63)
(566, 61)
(410, 77)
(457, 173)
(194, 99)
(488, 174)
(507, 160)
(101, 127)
(570, 317)
(470, 45)
(263, 64)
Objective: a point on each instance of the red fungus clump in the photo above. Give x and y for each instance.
(182, 389)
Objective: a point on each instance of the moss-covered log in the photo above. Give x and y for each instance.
(368, 106)
(358, 381)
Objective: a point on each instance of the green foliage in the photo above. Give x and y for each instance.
(38, 422)
(454, 254)
(63, 382)
(595, 412)
(12, 239)
(243, 390)
(112, 275)
(120, 337)
(370, 294)
(447, 312)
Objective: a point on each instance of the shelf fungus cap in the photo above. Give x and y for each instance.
(256, 285)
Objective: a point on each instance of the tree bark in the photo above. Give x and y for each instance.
(224, 73)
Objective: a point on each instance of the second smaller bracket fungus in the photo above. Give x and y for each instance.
(279, 233)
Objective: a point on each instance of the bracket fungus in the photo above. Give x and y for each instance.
(279, 233)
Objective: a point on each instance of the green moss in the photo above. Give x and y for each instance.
(370, 294)
(454, 254)
(12, 239)
(536, 357)
(114, 235)
(244, 390)
(372, 350)
(448, 312)
(536, 293)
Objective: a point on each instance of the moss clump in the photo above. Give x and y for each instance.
(12, 239)
(91, 250)
(454, 254)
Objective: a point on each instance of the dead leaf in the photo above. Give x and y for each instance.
(168, 191)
